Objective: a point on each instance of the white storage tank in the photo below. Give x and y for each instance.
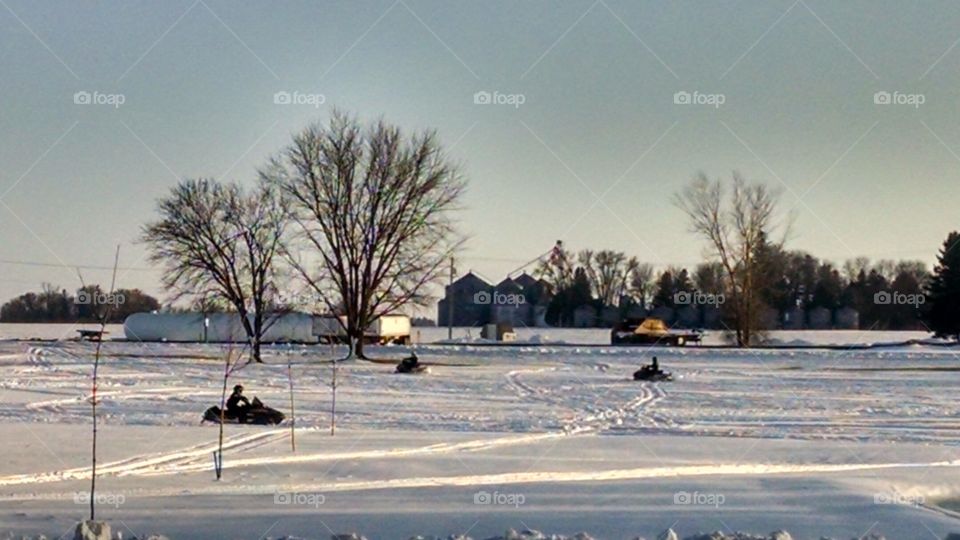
(214, 328)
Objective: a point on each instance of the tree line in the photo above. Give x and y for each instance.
(789, 282)
(751, 281)
(89, 304)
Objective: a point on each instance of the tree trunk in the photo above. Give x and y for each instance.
(358, 347)
(255, 351)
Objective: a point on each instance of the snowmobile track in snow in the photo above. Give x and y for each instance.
(592, 419)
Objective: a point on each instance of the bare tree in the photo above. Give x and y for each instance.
(735, 230)
(853, 267)
(231, 363)
(216, 241)
(93, 392)
(372, 209)
(608, 272)
(641, 284)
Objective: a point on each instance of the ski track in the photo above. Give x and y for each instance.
(538, 477)
(163, 393)
(196, 458)
(595, 419)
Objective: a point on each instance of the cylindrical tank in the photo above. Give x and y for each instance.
(214, 328)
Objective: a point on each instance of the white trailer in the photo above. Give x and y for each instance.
(386, 329)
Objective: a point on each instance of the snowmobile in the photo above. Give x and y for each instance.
(258, 413)
(412, 365)
(652, 374)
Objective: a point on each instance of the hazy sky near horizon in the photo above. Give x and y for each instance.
(592, 156)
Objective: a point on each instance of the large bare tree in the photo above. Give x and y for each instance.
(609, 273)
(372, 211)
(641, 284)
(736, 230)
(217, 241)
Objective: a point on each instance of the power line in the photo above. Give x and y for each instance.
(74, 266)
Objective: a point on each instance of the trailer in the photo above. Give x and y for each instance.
(651, 331)
(389, 329)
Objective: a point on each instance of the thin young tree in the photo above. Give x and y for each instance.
(216, 241)
(372, 210)
(231, 364)
(736, 231)
(93, 393)
(293, 416)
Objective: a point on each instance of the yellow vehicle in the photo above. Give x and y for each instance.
(650, 331)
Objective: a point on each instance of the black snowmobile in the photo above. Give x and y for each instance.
(257, 413)
(412, 365)
(643, 374)
(652, 373)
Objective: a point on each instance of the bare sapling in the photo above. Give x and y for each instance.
(293, 418)
(231, 364)
(93, 392)
(333, 390)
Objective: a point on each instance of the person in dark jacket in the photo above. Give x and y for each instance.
(238, 405)
(409, 364)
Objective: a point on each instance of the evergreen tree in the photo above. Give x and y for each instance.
(904, 315)
(565, 302)
(828, 288)
(874, 316)
(943, 291)
(665, 288)
(682, 282)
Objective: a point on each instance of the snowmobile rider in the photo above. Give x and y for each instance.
(238, 405)
(409, 363)
(412, 360)
(650, 369)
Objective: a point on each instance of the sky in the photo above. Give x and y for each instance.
(599, 111)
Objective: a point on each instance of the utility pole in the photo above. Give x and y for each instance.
(450, 303)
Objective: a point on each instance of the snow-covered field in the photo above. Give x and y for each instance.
(555, 438)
